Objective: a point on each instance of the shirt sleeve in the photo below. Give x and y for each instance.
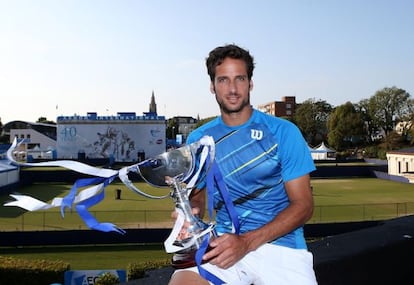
(296, 158)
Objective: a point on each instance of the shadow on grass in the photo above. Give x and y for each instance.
(44, 192)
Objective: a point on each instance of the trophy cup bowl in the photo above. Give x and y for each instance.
(174, 169)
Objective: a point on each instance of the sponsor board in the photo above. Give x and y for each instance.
(88, 277)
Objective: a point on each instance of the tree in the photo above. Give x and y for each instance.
(204, 121)
(407, 121)
(311, 117)
(345, 126)
(371, 128)
(3, 138)
(388, 106)
(44, 120)
(172, 128)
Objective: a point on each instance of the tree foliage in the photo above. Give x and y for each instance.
(371, 127)
(44, 120)
(204, 121)
(311, 117)
(388, 106)
(345, 126)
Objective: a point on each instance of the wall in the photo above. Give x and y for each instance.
(120, 140)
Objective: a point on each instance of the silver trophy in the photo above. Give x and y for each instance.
(181, 169)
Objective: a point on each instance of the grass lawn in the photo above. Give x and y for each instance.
(360, 191)
(344, 198)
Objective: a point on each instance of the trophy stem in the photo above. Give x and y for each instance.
(182, 201)
(192, 236)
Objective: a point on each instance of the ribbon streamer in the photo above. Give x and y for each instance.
(94, 193)
(85, 198)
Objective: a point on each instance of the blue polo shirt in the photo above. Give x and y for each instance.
(255, 160)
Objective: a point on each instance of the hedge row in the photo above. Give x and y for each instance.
(15, 271)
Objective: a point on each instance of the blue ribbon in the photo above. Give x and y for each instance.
(82, 207)
(215, 176)
(67, 201)
(199, 259)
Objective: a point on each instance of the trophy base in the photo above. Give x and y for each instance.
(184, 259)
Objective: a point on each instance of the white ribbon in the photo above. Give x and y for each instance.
(32, 204)
(68, 164)
(179, 223)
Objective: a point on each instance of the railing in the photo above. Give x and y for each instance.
(360, 212)
(52, 220)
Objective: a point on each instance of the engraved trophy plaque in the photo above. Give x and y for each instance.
(181, 169)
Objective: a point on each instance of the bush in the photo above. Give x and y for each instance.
(107, 279)
(35, 272)
(137, 270)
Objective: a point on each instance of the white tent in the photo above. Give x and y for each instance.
(322, 152)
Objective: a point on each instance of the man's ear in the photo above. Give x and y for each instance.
(212, 88)
(251, 85)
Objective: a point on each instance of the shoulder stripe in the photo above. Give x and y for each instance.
(252, 160)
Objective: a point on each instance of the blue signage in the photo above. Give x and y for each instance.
(88, 277)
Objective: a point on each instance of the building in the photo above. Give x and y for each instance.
(181, 127)
(125, 137)
(403, 127)
(401, 163)
(35, 138)
(284, 108)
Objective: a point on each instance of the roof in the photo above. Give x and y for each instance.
(323, 148)
(408, 150)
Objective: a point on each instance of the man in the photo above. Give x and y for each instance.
(265, 163)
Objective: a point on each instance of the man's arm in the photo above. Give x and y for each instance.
(229, 248)
(198, 201)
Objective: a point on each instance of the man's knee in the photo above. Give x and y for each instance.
(186, 277)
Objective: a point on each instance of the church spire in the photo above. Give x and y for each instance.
(153, 106)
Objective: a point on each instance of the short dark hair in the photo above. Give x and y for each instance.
(217, 56)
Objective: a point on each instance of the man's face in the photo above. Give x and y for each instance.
(232, 86)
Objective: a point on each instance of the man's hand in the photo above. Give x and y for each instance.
(184, 234)
(226, 250)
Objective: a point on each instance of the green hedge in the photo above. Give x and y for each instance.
(138, 270)
(14, 271)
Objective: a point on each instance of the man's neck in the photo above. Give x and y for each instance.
(237, 119)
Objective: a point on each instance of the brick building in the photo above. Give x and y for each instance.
(284, 108)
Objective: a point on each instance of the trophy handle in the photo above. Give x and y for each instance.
(189, 230)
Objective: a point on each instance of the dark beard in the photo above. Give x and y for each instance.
(226, 110)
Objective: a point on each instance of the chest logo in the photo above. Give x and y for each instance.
(256, 134)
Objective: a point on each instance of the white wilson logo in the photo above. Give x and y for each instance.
(256, 134)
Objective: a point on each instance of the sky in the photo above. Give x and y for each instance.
(66, 57)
